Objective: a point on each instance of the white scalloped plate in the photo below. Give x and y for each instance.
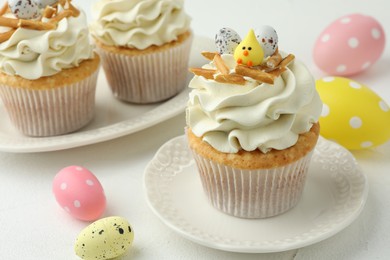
(334, 196)
(113, 118)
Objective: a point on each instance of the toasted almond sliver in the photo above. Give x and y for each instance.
(289, 58)
(75, 11)
(276, 72)
(262, 67)
(60, 16)
(220, 64)
(274, 60)
(231, 79)
(254, 74)
(28, 24)
(9, 22)
(208, 55)
(35, 25)
(62, 2)
(6, 35)
(208, 74)
(4, 8)
(49, 12)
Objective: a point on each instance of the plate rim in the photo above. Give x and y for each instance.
(336, 227)
(173, 107)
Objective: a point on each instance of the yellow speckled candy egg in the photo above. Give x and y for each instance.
(104, 239)
(352, 115)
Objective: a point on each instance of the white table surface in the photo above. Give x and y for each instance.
(33, 226)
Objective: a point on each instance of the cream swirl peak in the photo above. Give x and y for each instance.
(139, 23)
(252, 115)
(33, 54)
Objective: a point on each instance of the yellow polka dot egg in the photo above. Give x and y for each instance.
(352, 115)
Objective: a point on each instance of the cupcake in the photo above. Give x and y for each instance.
(48, 70)
(144, 46)
(252, 125)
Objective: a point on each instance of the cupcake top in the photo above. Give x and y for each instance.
(240, 101)
(44, 40)
(139, 23)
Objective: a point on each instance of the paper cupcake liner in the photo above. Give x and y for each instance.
(53, 111)
(257, 193)
(150, 77)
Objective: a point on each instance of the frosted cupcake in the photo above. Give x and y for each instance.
(252, 126)
(48, 70)
(145, 47)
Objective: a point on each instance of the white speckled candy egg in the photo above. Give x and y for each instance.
(226, 41)
(268, 39)
(352, 115)
(79, 193)
(349, 45)
(24, 9)
(104, 239)
(43, 3)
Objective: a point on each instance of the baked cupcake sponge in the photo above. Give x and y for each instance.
(254, 184)
(256, 159)
(52, 105)
(154, 74)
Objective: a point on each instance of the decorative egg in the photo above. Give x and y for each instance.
(226, 41)
(352, 115)
(349, 45)
(43, 3)
(24, 9)
(104, 239)
(268, 39)
(79, 192)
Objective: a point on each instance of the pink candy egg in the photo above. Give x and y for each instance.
(349, 45)
(79, 192)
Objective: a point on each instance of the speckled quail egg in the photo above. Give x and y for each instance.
(104, 239)
(24, 9)
(226, 41)
(268, 39)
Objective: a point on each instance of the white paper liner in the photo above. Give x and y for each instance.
(147, 78)
(50, 112)
(258, 193)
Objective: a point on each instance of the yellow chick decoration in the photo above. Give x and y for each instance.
(249, 52)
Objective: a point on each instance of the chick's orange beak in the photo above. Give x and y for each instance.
(245, 53)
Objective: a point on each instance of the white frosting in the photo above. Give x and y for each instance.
(254, 116)
(139, 23)
(33, 54)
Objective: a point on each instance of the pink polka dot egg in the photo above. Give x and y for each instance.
(352, 115)
(79, 192)
(349, 45)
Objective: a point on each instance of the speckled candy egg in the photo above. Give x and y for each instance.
(226, 41)
(104, 239)
(24, 9)
(268, 39)
(79, 193)
(43, 3)
(352, 115)
(349, 45)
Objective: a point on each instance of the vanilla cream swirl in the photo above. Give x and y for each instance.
(139, 23)
(33, 54)
(257, 115)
